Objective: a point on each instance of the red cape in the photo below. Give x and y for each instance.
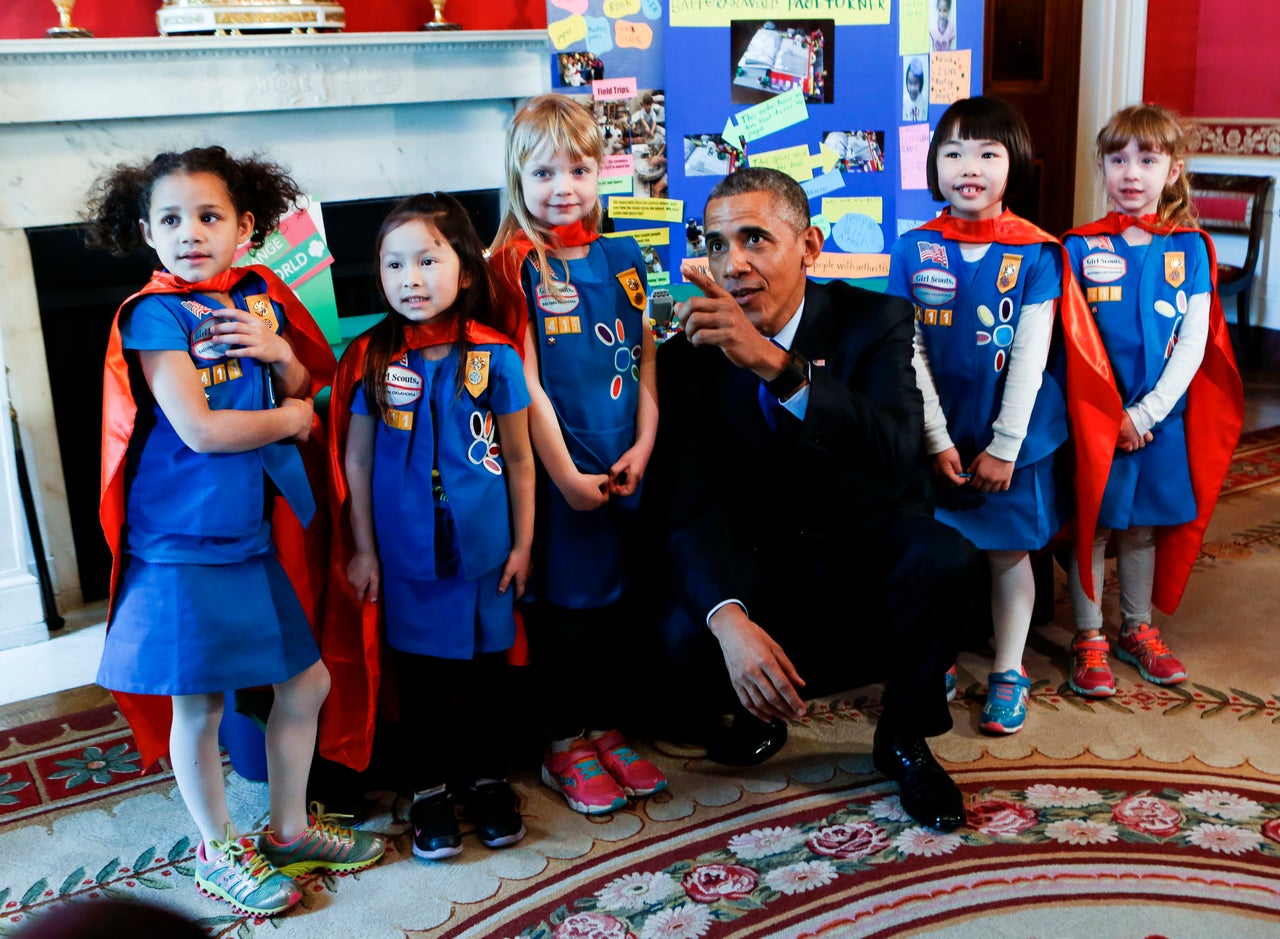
(300, 551)
(1093, 404)
(1213, 419)
(351, 637)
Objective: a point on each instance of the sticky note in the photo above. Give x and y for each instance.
(567, 31)
(858, 234)
(907, 224)
(645, 236)
(913, 142)
(616, 8)
(659, 278)
(870, 206)
(822, 223)
(850, 266)
(617, 164)
(722, 12)
(794, 161)
(652, 9)
(614, 89)
(949, 76)
(657, 210)
(599, 35)
(821, 185)
(913, 26)
(616, 185)
(572, 6)
(767, 117)
(629, 34)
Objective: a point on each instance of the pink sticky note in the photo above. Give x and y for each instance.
(614, 89)
(913, 144)
(572, 6)
(629, 35)
(618, 164)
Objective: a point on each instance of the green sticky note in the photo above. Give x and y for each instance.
(767, 117)
(616, 185)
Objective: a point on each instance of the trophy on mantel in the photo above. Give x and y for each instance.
(65, 30)
(439, 23)
(238, 17)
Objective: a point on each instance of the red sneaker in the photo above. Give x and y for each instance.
(578, 776)
(1090, 671)
(636, 775)
(1144, 648)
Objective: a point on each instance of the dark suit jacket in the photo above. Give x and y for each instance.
(725, 491)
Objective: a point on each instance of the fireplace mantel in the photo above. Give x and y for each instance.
(352, 115)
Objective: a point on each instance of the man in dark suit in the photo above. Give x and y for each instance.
(787, 495)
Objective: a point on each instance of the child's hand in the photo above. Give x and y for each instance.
(516, 571)
(362, 574)
(251, 337)
(586, 491)
(303, 411)
(947, 465)
(625, 475)
(990, 474)
(1129, 439)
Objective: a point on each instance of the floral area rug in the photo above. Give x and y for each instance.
(1153, 813)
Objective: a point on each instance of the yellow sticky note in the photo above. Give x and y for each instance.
(850, 266)
(656, 210)
(722, 12)
(645, 236)
(872, 206)
(794, 161)
(616, 8)
(567, 31)
(616, 185)
(950, 76)
(767, 117)
(913, 26)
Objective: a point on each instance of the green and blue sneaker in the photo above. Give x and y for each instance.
(241, 876)
(324, 846)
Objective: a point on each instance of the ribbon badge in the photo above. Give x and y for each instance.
(477, 372)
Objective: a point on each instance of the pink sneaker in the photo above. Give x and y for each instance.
(636, 775)
(578, 776)
(1090, 671)
(1144, 648)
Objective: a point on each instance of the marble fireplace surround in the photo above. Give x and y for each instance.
(354, 116)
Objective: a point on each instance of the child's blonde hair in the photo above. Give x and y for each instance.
(1154, 128)
(565, 126)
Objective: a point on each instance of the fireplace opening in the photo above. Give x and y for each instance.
(79, 290)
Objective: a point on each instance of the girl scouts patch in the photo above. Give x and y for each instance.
(562, 298)
(260, 305)
(477, 372)
(1009, 267)
(1175, 268)
(404, 386)
(634, 288)
(204, 345)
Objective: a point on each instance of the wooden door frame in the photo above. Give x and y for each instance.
(1113, 48)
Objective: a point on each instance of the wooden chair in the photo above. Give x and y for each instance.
(1235, 205)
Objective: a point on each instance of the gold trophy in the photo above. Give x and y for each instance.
(65, 30)
(439, 23)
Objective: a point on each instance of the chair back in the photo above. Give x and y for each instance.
(1229, 203)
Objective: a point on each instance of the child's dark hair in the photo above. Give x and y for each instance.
(121, 198)
(985, 118)
(476, 297)
(1157, 129)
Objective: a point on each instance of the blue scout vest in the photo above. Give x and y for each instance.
(589, 346)
(1138, 295)
(175, 491)
(969, 315)
(433, 424)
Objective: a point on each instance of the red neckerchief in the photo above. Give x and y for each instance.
(351, 638)
(1213, 419)
(1093, 403)
(507, 262)
(301, 551)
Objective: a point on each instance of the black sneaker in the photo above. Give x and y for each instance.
(494, 812)
(435, 827)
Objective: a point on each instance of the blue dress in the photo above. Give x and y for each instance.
(969, 314)
(440, 506)
(203, 606)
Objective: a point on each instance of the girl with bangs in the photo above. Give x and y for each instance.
(578, 301)
(1149, 277)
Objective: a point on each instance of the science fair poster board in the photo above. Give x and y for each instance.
(840, 94)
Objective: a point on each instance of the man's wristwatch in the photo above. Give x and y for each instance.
(792, 378)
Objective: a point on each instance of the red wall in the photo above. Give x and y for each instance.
(1214, 58)
(28, 19)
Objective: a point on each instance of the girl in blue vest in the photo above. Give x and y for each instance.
(209, 378)
(589, 358)
(431, 405)
(1149, 278)
(984, 283)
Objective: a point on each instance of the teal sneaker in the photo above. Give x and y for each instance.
(242, 877)
(952, 683)
(324, 846)
(1006, 709)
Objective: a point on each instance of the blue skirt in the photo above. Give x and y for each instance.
(203, 628)
(452, 618)
(1022, 518)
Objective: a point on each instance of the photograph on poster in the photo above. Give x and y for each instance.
(652, 259)
(942, 25)
(578, 69)
(915, 79)
(695, 241)
(858, 151)
(710, 155)
(638, 126)
(767, 58)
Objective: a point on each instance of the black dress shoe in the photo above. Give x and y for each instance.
(928, 794)
(747, 741)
